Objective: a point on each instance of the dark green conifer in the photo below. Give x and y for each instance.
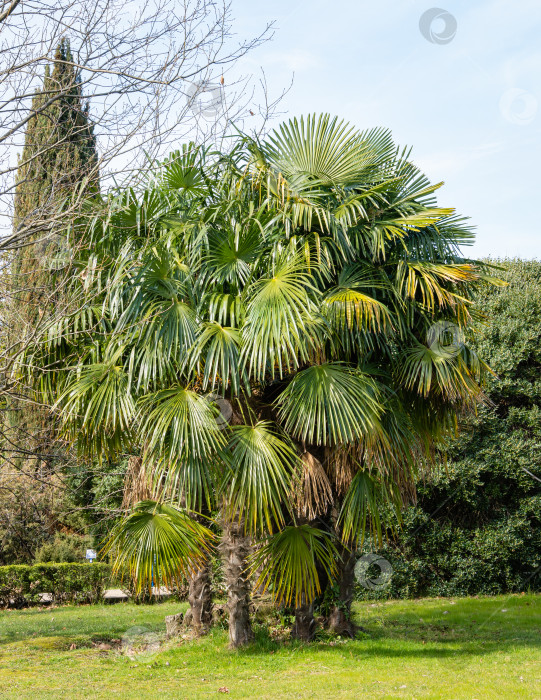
(57, 169)
(59, 152)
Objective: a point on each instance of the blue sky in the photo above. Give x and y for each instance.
(470, 107)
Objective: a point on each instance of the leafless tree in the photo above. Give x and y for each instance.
(155, 73)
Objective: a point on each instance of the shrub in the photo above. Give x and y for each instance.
(64, 548)
(67, 583)
(14, 585)
(74, 583)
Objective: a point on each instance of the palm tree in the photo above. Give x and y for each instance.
(310, 281)
(391, 283)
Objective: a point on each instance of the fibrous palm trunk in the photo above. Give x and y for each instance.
(199, 615)
(340, 620)
(235, 548)
(304, 627)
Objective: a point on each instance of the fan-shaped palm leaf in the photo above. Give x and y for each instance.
(326, 149)
(287, 563)
(98, 409)
(216, 355)
(158, 544)
(330, 403)
(178, 424)
(362, 507)
(351, 304)
(275, 332)
(261, 464)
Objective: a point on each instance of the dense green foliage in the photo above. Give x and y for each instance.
(95, 492)
(22, 585)
(55, 518)
(65, 547)
(309, 280)
(477, 525)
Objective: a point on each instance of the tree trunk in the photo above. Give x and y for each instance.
(235, 548)
(199, 614)
(304, 627)
(340, 621)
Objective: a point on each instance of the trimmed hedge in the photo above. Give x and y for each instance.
(67, 583)
(14, 585)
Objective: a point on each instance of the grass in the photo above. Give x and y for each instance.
(433, 648)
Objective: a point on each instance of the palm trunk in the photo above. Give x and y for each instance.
(304, 627)
(340, 621)
(199, 614)
(235, 548)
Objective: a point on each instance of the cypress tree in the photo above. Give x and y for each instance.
(59, 158)
(60, 149)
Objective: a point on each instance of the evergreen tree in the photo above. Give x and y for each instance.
(59, 162)
(60, 148)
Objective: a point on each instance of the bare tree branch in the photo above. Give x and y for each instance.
(6, 13)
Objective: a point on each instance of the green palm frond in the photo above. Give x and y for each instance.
(184, 170)
(441, 370)
(177, 424)
(97, 408)
(362, 507)
(329, 404)
(326, 149)
(183, 444)
(158, 544)
(225, 308)
(351, 304)
(260, 468)
(275, 332)
(287, 563)
(216, 356)
(355, 207)
(231, 253)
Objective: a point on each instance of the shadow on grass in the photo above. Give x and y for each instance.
(406, 629)
(471, 627)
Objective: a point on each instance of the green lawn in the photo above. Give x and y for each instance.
(434, 648)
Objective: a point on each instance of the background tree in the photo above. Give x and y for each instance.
(59, 146)
(59, 158)
(476, 526)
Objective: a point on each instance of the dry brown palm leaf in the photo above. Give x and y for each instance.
(314, 493)
(341, 462)
(137, 483)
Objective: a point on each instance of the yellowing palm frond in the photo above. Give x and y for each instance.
(288, 561)
(158, 544)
